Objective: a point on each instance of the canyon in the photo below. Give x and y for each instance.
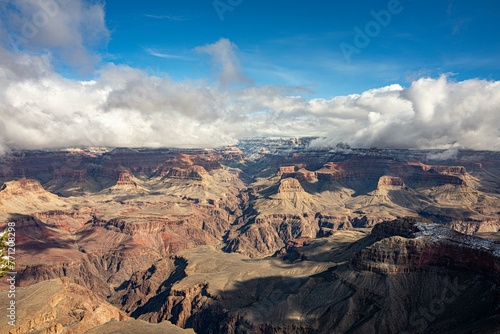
(268, 236)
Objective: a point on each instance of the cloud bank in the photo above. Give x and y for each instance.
(71, 29)
(125, 106)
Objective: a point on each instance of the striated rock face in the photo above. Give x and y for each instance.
(475, 227)
(298, 172)
(270, 233)
(390, 181)
(411, 245)
(126, 179)
(190, 173)
(57, 306)
(459, 170)
(305, 175)
(336, 171)
(20, 187)
(287, 170)
(338, 223)
(289, 185)
(229, 294)
(75, 174)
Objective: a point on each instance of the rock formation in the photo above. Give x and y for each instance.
(262, 237)
(390, 281)
(289, 185)
(390, 182)
(57, 306)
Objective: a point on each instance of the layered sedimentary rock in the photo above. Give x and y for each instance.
(99, 241)
(289, 185)
(332, 288)
(410, 245)
(475, 227)
(390, 182)
(58, 306)
(155, 232)
(21, 187)
(189, 173)
(126, 179)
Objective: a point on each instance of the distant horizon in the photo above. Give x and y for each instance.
(241, 141)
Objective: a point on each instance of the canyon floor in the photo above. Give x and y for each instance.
(269, 236)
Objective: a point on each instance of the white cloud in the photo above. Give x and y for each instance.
(68, 28)
(164, 55)
(124, 106)
(128, 107)
(450, 154)
(431, 113)
(224, 56)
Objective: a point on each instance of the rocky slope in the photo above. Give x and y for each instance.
(392, 280)
(57, 306)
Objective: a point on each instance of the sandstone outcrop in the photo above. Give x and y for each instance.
(410, 245)
(21, 187)
(58, 306)
(289, 185)
(390, 182)
(226, 294)
(189, 173)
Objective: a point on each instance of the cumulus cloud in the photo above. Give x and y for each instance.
(69, 28)
(431, 113)
(129, 107)
(224, 57)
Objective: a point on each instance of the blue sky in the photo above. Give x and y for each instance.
(298, 43)
(398, 74)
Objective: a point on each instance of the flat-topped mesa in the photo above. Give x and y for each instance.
(209, 160)
(286, 170)
(126, 179)
(297, 171)
(438, 175)
(181, 159)
(232, 153)
(333, 171)
(290, 185)
(189, 173)
(20, 187)
(390, 182)
(409, 245)
(306, 175)
(451, 170)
